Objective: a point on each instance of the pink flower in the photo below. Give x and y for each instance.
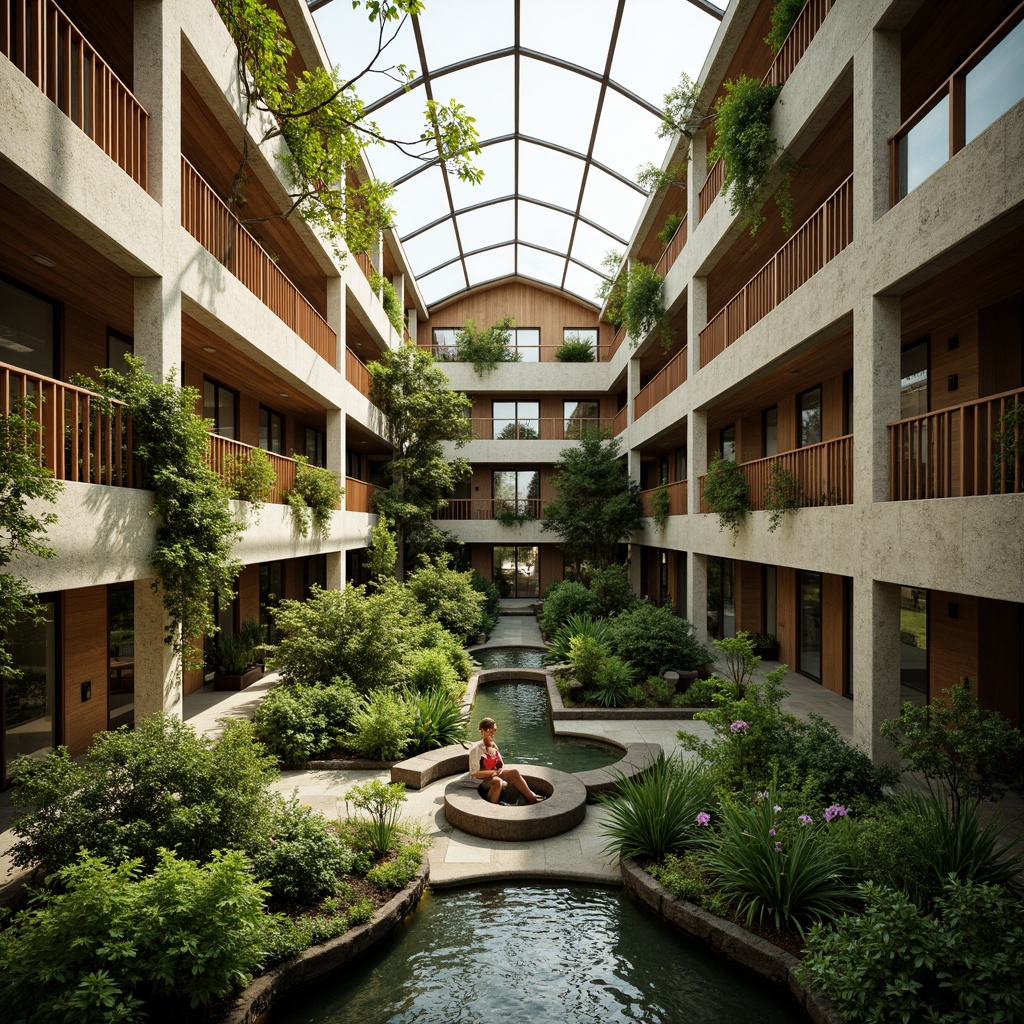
(739, 726)
(703, 819)
(805, 819)
(778, 847)
(835, 811)
(776, 808)
(771, 831)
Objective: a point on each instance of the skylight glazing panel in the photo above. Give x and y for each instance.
(498, 164)
(575, 30)
(659, 39)
(432, 247)
(545, 227)
(442, 283)
(487, 91)
(402, 119)
(351, 40)
(549, 175)
(419, 200)
(556, 104)
(609, 202)
(490, 265)
(487, 226)
(583, 283)
(590, 245)
(454, 31)
(627, 136)
(540, 265)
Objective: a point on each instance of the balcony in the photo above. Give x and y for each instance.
(954, 452)
(547, 428)
(356, 373)
(206, 217)
(463, 509)
(83, 437)
(676, 499)
(443, 353)
(41, 41)
(673, 249)
(982, 89)
(226, 457)
(804, 29)
(817, 242)
(358, 495)
(823, 472)
(668, 378)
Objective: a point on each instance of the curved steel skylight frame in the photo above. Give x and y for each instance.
(459, 253)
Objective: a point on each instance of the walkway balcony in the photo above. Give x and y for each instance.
(804, 29)
(817, 242)
(82, 436)
(462, 509)
(823, 473)
(676, 499)
(358, 495)
(227, 458)
(206, 217)
(970, 449)
(39, 39)
(547, 428)
(356, 373)
(673, 249)
(667, 379)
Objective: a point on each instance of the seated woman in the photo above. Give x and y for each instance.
(485, 764)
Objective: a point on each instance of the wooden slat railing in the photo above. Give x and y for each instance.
(804, 29)
(819, 240)
(673, 249)
(824, 475)
(463, 509)
(711, 187)
(206, 217)
(226, 457)
(83, 437)
(545, 428)
(358, 495)
(356, 373)
(668, 378)
(43, 43)
(619, 421)
(953, 452)
(529, 353)
(364, 264)
(617, 340)
(676, 499)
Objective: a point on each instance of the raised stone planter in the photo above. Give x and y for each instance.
(317, 961)
(729, 940)
(564, 808)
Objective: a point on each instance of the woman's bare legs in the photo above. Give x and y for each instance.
(514, 777)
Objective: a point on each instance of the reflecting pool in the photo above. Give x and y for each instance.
(539, 954)
(509, 657)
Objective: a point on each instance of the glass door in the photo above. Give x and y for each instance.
(121, 661)
(810, 624)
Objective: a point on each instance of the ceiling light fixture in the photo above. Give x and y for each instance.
(43, 261)
(283, 394)
(209, 348)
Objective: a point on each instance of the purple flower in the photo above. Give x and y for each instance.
(739, 726)
(776, 808)
(703, 819)
(778, 847)
(771, 831)
(835, 811)
(805, 819)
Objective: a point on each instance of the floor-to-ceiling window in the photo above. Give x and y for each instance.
(517, 492)
(721, 598)
(121, 659)
(271, 583)
(914, 644)
(810, 624)
(28, 710)
(516, 570)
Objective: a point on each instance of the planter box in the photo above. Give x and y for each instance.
(768, 653)
(239, 682)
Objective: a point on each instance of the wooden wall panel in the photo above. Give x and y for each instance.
(248, 587)
(832, 407)
(85, 658)
(833, 634)
(85, 343)
(1001, 347)
(962, 361)
(1000, 665)
(787, 613)
(749, 444)
(194, 678)
(749, 589)
(248, 420)
(952, 643)
(552, 566)
(787, 423)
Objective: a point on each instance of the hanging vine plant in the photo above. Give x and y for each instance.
(783, 493)
(745, 141)
(725, 492)
(660, 505)
(784, 15)
(383, 288)
(313, 497)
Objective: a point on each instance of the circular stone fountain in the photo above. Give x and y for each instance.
(563, 809)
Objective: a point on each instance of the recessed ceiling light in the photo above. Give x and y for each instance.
(43, 261)
(794, 373)
(209, 348)
(283, 394)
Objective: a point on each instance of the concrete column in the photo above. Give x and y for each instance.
(377, 253)
(632, 387)
(696, 457)
(876, 394)
(696, 321)
(335, 454)
(696, 173)
(876, 663)
(876, 110)
(398, 283)
(697, 595)
(412, 324)
(158, 682)
(336, 318)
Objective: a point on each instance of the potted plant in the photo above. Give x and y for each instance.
(233, 669)
(766, 645)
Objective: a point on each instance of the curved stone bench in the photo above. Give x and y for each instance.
(637, 759)
(423, 769)
(564, 808)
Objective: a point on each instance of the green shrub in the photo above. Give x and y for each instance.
(431, 636)
(653, 639)
(439, 720)
(587, 656)
(448, 596)
(300, 723)
(398, 872)
(784, 14)
(381, 803)
(134, 792)
(657, 692)
(315, 494)
(685, 878)
(611, 586)
(656, 814)
(431, 670)
(701, 693)
(614, 680)
(305, 858)
(789, 882)
(725, 493)
(382, 727)
(492, 600)
(486, 347)
(671, 225)
(892, 963)
(575, 350)
(569, 598)
(576, 625)
(99, 940)
(740, 659)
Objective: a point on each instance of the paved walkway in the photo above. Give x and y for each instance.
(456, 858)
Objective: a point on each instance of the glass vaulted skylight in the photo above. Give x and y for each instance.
(567, 96)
